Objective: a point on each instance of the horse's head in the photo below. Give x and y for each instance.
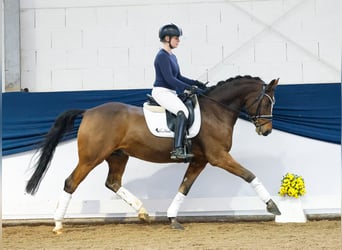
(249, 94)
(260, 106)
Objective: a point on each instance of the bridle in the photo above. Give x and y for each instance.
(257, 115)
(253, 118)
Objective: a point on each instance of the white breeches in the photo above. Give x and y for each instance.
(168, 99)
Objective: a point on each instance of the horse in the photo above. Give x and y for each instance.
(115, 131)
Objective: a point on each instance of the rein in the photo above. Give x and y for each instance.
(255, 117)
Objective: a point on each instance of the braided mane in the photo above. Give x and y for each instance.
(233, 79)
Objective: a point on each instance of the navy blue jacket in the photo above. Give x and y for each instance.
(168, 74)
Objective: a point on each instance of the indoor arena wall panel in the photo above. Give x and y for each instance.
(217, 35)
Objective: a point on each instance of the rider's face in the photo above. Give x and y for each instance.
(174, 41)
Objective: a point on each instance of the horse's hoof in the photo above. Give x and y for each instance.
(57, 231)
(272, 208)
(175, 224)
(144, 217)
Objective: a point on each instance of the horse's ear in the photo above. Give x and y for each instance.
(273, 84)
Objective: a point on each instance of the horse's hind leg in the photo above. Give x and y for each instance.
(117, 164)
(70, 185)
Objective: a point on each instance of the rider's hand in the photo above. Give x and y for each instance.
(201, 85)
(193, 89)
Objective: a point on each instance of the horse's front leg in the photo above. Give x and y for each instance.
(226, 161)
(194, 169)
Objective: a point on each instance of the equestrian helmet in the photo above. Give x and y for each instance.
(169, 30)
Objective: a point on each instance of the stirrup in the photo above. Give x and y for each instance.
(179, 153)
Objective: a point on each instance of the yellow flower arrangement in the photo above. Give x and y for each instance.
(292, 185)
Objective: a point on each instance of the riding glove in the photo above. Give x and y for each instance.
(200, 85)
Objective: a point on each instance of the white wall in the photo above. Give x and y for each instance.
(215, 192)
(102, 44)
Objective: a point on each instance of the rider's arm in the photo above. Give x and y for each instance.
(165, 68)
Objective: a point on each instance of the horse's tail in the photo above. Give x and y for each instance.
(63, 124)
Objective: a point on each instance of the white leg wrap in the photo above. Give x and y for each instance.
(62, 206)
(129, 198)
(260, 190)
(175, 205)
(58, 227)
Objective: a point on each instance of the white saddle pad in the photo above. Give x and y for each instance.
(155, 117)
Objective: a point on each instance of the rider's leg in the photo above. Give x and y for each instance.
(168, 99)
(178, 149)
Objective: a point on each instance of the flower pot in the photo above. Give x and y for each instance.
(291, 211)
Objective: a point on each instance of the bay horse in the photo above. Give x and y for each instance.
(114, 131)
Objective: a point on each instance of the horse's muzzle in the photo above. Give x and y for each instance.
(263, 132)
(264, 129)
(266, 133)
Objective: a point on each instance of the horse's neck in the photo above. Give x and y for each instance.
(227, 101)
(233, 94)
(224, 110)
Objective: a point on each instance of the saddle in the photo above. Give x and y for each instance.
(188, 100)
(161, 122)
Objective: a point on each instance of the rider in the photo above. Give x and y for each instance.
(169, 82)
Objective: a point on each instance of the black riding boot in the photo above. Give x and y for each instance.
(179, 151)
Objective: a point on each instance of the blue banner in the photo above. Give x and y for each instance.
(310, 110)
